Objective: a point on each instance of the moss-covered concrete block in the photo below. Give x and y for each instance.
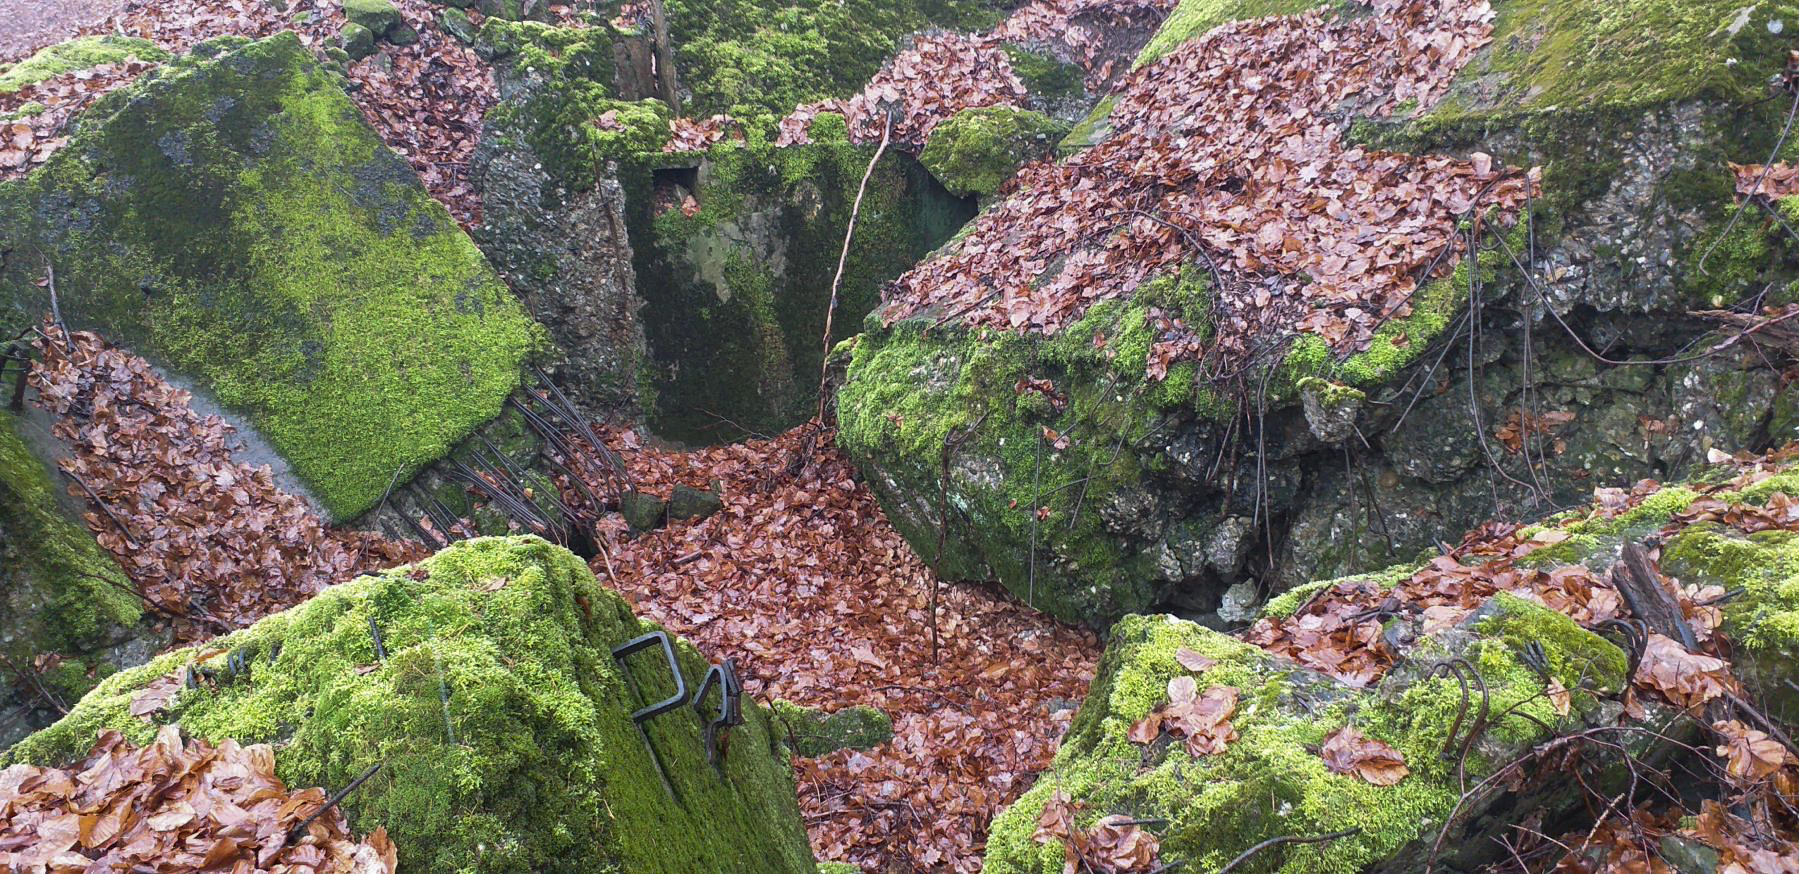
(358, 41)
(232, 217)
(977, 150)
(61, 594)
(813, 732)
(376, 15)
(1633, 110)
(735, 255)
(687, 503)
(456, 23)
(501, 722)
(1033, 435)
(81, 53)
(1270, 781)
(643, 511)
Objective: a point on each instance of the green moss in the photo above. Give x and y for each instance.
(29, 109)
(1270, 781)
(1195, 18)
(81, 53)
(838, 868)
(815, 733)
(1090, 130)
(1763, 621)
(1288, 603)
(1045, 76)
(977, 150)
(1557, 54)
(1397, 343)
(501, 722)
(376, 15)
(1596, 537)
(233, 218)
(736, 293)
(911, 387)
(568, 114)
(63, 593)
(756, 60)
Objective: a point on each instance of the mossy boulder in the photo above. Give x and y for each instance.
(1271, 781)
(736, 251)
(61, 595)
(232, 217)
(358, 41)
(977, 150)
(456, 23)
(812, 732)
(81, 53)
(379, 16)
(1309, 464)
(501, 722)
(1761, 569)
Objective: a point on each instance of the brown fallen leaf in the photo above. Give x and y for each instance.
(1193, 661)
(1685, 678)
(1348, 751)
(1750, 754)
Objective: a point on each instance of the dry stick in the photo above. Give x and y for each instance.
(1767, 166)
(1762, 719)
(55, 308)
(843, 258)
(95, 497)
(37, 685)
(298, 831)
(1285, 839)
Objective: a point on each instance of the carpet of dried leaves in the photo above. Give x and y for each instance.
(1229, 152)
(805, 582)
(211, 543)
(941, 74)
(174, 806)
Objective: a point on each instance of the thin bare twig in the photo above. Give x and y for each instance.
(843, 258)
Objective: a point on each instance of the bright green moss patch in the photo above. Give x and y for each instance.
(912, 388)
(500, 719)
(60, 591)
(567, 111)
(1763, 622)
(1195, 18)
(1569, 55)
(81, 53)
(1270, 781)
(755, 60)
(977, 150)
(233, 218)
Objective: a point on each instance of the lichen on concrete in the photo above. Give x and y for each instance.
(232, 217)
(498, 716)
